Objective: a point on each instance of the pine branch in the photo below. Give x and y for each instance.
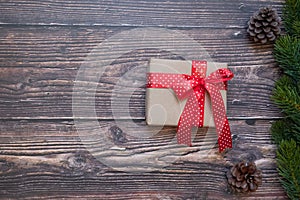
(288, 160)
(291, 17)
(286, 96)
(287, 55)
(285, 130)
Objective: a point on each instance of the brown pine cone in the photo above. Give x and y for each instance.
(264, 25)
(244, 177)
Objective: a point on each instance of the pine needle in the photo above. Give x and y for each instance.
(283, 129)
(288, 160)
(286, 95)
(291, 15)
(287, 55)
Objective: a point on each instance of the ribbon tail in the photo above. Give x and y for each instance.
(184, 134)
(224, 139)
(187, 120)
(220, 118)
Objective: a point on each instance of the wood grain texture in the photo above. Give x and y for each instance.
(174, 13)
(48, 158)
(68, 47)
(39, 67)
(46, 153)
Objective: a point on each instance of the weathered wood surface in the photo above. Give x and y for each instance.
(38, 155)
(174, 13)
(39, 67)
(45, 155)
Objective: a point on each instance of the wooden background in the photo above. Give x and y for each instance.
(42, 46)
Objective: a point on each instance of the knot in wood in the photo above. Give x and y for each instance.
(77, 162)
(117, 135)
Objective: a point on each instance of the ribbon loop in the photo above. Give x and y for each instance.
(193, 87)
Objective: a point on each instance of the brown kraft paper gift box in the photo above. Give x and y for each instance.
(162, 105)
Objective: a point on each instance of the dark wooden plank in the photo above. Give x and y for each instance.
(172, 13)
(39, 67)
(68, 47)
(47, 159)
(47, 93)
(39, 61)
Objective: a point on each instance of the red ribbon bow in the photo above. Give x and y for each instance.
(193, 88)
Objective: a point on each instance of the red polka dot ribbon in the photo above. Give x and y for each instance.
(193, 88)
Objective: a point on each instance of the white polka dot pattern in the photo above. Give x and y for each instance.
(193, 87)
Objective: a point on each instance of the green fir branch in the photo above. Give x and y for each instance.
(288, 160)
(287, 55)
(285, 129)
(286, 96)
(291, 15)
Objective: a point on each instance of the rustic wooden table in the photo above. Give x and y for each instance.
(43, 44)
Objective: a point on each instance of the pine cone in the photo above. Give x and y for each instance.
(244, 177)
(264, 25)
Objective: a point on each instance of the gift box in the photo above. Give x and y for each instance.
(163, 106)
(188, 93)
